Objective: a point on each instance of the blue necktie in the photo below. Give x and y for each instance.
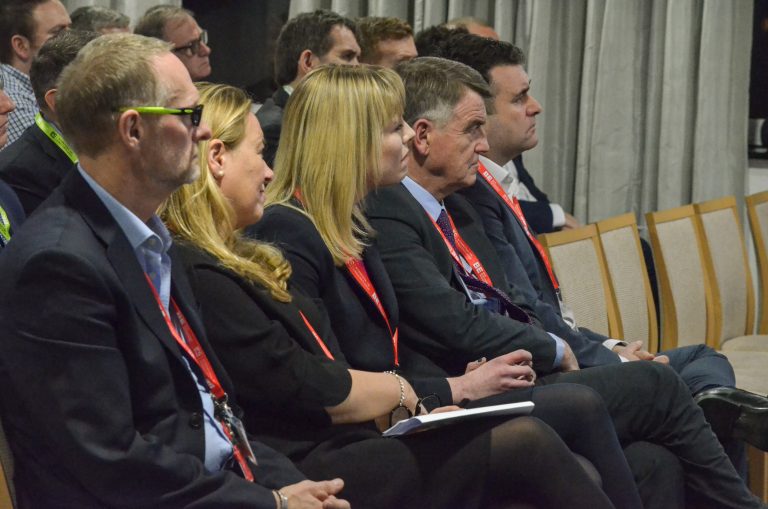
(513, 311)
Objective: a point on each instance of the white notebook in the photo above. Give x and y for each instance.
(423, 422)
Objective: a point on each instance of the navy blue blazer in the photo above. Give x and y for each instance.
(97, 401)
(33, 166)
(537, 213)
(436, 317)
(527, 274)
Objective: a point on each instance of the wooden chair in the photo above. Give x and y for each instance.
(678, 253)
(688, 312)
(727, 266)
(623, 255)
(757, 212)
(578, 261)
(7, 492)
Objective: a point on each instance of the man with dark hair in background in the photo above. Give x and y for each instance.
(385, 41)
(40, 159)
(95, 18)
(10, 209)
(25, 25)
(178, 26)
(307, 41)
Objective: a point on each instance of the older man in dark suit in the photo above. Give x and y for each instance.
(109, 392)
(456, 305)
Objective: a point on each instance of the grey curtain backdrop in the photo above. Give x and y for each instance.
(645, 101)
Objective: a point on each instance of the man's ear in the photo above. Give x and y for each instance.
(21, 47)
(50, 100)
(130, 129)
(422, 129)
(307, 62)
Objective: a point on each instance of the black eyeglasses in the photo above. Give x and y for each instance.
(423, 406)
(195, 112)
(193, 48)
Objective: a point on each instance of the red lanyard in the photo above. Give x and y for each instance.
(317, 337)
(465, 251)
(514, 205)
(357, 269)
(195, 352)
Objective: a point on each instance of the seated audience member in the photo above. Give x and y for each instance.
(178, 26)
(385, 41)
(474, 26)
(307, 41)
(40, 159)
(294, 385)
(430, 41)
(11, 212)
(109, 393)
(456, 305)
(24, 26)
(95, 18)
(511, 130)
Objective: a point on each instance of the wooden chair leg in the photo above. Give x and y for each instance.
(758, 472)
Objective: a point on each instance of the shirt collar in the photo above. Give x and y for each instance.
(500, 173)
(288, 89)
(137, 231)
(425, 199)
(15, 73)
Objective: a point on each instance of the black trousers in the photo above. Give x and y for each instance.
(649, 402)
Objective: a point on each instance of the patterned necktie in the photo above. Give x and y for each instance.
(513, 311)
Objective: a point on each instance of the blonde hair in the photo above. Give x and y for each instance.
(330, 146)
(110, 72)
(201, 215)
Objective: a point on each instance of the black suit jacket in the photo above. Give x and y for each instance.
(270, 117)
(361, 330)
(98, 404)
(33, 166)
(527, 274)
(284, 379)
(435, 315)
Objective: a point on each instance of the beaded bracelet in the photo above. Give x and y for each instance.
(400, 403)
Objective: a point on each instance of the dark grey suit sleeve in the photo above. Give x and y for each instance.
(437, 318)
(589, 350)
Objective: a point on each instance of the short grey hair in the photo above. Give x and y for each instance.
(94, 18)
(154, 21)
(434, 86)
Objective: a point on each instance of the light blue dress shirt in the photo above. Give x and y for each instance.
(433, 207)
(151, 242)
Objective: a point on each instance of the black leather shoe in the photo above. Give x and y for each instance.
(734, 413)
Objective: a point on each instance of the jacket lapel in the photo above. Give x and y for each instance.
(120, 255)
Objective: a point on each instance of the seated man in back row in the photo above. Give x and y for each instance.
(455, 303)
(109, 393)
(511, 130)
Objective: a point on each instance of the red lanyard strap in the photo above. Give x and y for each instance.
(466, 252)
(195, 352)
(514, 205)
(360, 274)
(317, 337)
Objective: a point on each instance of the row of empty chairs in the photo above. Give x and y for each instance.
(705, 287)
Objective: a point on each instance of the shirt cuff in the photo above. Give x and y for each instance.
(558, 215)
(559, 350)
(610, 343)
